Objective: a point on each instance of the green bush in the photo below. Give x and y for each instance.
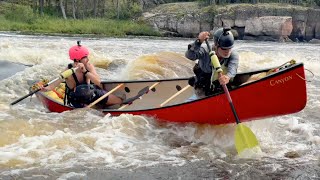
(20, 14)
(126, 11)
(136, 9)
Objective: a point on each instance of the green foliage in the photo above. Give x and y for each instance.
(19, 13)
(317, 2)
(52, 11)
(99, 27)
(211, 10)
(136, 9)
(130, 10)
(126, 11)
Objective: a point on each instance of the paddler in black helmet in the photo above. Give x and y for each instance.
(205, 82)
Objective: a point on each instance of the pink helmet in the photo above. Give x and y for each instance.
(78, 52)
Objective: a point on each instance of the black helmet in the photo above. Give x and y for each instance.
(223, 38)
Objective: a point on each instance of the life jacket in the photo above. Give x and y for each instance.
(214, 75)
(208, 82)
(82, 94)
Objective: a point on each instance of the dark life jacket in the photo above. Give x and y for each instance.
(202, 81)
(82, 94)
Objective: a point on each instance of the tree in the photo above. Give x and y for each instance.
(41, 5)
(103, 2)
(118, 9)
(95, 8)
(62, 9)
(34, 6)
(74, 9)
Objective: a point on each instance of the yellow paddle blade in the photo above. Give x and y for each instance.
(244, 138)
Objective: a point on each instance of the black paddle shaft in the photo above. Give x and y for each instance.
(63, 75)
(20, 99)
(31, 93)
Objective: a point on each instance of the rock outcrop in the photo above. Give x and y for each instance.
(275, 23)
(277, 28)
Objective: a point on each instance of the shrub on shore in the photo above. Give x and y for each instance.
(21, 18)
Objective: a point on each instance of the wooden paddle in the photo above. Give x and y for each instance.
(175, 95)
(244, 138)
(63, 75)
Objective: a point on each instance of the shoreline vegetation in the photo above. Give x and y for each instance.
(22, 19)
(71, 27)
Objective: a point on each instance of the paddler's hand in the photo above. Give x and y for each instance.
(203, 36)
(44, 88)
(39, 85)
(81, 67)
(224, 79)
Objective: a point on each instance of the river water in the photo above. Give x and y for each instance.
(85, 144)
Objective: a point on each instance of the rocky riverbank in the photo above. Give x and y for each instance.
(272, 22)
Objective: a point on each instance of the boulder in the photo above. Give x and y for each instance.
(275, 27)
(299, 31)
(315, 41)
(317, 31)
(250, 21)
(188, 26)
(313, 20)
(242, 14)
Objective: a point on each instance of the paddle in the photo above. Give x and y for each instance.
(127, 101)
(243, 136)
(63, 75)
(143, 91)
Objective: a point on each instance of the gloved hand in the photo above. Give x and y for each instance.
(192, 81)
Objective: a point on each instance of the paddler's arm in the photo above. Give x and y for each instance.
(233, 65)
(92, 75)
(231, 69)
(195, 51)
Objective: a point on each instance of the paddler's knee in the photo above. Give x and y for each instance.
(121, 95)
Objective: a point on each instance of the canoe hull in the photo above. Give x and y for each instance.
(278, 94)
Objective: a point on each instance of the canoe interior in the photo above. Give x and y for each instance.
(164, 90)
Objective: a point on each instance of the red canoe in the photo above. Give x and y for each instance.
(255, 95)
